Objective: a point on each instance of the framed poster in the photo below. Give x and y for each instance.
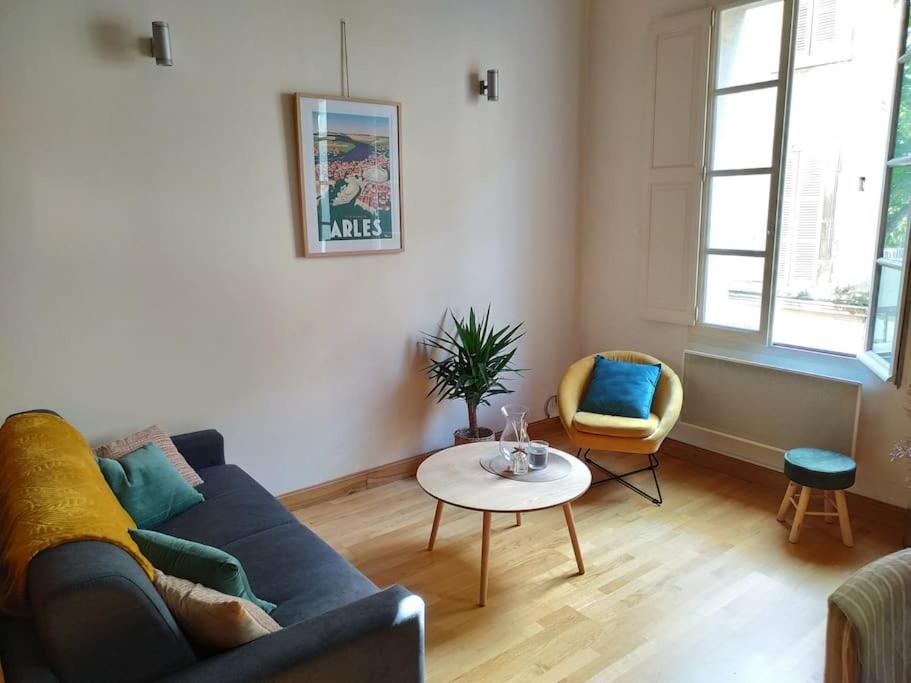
(351, 185)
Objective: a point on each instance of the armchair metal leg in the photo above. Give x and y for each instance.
(621, 478)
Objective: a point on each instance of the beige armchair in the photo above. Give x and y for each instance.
(590, 431)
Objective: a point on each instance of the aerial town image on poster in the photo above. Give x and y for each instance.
(353, 190)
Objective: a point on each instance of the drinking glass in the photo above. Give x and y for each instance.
(537, 454)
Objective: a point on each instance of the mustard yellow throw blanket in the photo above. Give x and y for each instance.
(51, 493)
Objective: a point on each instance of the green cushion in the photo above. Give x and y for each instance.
(148, 486)
(819, 469)
(212, 567)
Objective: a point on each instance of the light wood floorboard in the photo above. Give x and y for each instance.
(704, 588)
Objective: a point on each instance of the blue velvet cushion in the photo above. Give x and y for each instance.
(621, 389)
(148, 486)
(817, 468)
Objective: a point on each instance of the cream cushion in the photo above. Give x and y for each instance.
(614, 425)
(156, 435)
(210, 618)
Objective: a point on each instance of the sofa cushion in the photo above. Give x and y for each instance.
(210, 618)
(285, 562)
(148, 486)
(236, 506)
(197, 562)
(159, 437)
(294, 567)
(614, 425)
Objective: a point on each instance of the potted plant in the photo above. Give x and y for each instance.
(472, 360)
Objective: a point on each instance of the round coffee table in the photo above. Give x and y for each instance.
(455, 476)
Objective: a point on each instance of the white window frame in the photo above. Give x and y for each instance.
(762, 338)
(762, 335)
(890, 372)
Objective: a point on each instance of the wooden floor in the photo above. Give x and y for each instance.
(703, 588)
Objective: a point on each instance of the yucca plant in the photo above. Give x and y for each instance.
(473, 359)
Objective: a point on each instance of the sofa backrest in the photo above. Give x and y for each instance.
(99, 618)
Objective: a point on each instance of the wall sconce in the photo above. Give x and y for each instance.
(491, 87)
(161, 43)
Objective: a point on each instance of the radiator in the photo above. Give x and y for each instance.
(755, 412)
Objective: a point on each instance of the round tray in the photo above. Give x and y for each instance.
(557, 467)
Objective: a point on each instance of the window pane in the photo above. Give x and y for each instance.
(738, 213)
(908, 33)
(832, 175)
(836, 325)
(903, 131)
(896, 237)
(744, 129)
(885, 319)
(748, 43)
(733, 291)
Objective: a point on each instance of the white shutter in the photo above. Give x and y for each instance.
(674, 144)
(802, 34)
(810, 178)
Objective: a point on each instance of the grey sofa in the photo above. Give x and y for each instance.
(97, 617)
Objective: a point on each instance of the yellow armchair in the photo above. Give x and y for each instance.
(589, 431)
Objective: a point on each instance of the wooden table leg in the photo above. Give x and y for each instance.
(571, 525)
(436, 524)
(518, 519)
(485, 553)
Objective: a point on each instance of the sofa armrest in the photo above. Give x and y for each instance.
(841, 648)
(99, 618)
(377, 638)
(201, 449)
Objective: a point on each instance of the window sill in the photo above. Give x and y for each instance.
(813, 363)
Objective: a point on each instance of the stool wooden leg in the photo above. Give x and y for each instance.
(799, 515)
(518, 519)
(829, 507)
(842, 504)
(786, 501)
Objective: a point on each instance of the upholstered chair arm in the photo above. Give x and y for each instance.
(667, 403)
(571, 389)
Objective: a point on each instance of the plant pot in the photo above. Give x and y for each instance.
(460, 436)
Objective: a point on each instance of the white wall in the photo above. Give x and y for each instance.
(613, 108)
(149, 219)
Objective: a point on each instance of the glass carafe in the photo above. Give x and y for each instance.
(515, 433)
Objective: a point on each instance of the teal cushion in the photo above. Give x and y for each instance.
(621, 388)
(212, 567)
(819, 469)
(148, 486)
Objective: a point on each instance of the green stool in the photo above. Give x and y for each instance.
(826, 471)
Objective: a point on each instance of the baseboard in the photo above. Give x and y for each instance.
(383, 474)
(882, 513)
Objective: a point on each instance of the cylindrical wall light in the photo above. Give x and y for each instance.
(491, 87)
(161, 43)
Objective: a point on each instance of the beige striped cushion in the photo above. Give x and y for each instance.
(210, 618)
(156, 435)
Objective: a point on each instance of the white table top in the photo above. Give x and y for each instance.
(455, 476)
